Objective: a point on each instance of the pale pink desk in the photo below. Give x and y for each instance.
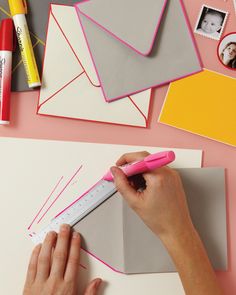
(28, 125)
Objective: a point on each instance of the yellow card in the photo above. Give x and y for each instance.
(204, 104)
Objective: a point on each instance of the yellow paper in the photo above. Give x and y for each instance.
(204, 104)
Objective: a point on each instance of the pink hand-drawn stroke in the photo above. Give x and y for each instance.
(44, 204)
(61, 192)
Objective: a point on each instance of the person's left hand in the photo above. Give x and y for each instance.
(54, 266)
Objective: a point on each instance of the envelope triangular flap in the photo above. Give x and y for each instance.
(90, 105)
(122, 71)
(135, 23)
(68, 22)
(61, 65)
(102, 233)
(73, 93)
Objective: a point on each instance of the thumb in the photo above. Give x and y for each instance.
(123, 186)
(93, 287)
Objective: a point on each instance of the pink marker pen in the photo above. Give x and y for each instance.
(149, 163)
(6, 48)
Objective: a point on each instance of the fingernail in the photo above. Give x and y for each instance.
(113, 170)
(75, 235)
(64, 227)
(37, 247)
(98, 283)
(51, 234)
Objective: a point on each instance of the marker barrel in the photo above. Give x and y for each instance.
(26, 49)
(5, 86)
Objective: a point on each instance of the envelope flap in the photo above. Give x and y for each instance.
(134, 24)
(102, 233)
(67, 21)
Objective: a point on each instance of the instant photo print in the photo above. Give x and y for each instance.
(211, 22)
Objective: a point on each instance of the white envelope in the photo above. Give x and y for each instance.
(70, 87)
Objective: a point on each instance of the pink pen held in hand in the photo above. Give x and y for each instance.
(149, 163)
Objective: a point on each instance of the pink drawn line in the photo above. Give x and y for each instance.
(64, 188)
(71, 47)
(48, 198)
(102, 261)
(138, 109)
(76, 200)
(59, 90)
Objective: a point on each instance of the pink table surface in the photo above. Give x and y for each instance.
(26, 124)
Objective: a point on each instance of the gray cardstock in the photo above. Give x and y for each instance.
(135, 23)
(122, 71)
(37, 19)
(116, 235)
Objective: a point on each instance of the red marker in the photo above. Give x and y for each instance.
(6, 48)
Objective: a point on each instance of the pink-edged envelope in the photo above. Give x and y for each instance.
(138, 45)
(134, 23)
(70, 87)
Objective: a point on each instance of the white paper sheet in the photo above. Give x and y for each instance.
(30, 169)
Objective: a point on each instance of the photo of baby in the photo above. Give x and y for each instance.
(211, 22)
(227, 51)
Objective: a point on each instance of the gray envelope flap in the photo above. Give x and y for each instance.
(122, 71)
(102, 233)
(134, 23)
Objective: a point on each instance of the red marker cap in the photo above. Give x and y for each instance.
(7, 35)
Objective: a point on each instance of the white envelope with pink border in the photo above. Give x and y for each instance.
(70, 87)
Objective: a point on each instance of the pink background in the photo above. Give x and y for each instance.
(25, 123)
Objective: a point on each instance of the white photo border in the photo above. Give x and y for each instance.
(226, 37)
(223, 24)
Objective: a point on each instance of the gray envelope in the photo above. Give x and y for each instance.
(123, 71)
(37, 19)
(117, 236)
(134, 23)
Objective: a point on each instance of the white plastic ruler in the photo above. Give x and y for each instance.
(78, 210)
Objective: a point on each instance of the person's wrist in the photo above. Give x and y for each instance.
(178, 235)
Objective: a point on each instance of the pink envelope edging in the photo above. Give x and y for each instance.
(122, 41)
(91, 254)
(152, 86)
(69, 82)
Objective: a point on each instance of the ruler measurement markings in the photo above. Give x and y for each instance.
(77, 211)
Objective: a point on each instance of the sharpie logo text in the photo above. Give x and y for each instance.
(19, 34)
(2, 63)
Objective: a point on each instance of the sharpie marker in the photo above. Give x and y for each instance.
(18, 10)
(6, 48)
(149, 163)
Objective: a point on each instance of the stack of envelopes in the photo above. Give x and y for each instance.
(104, 50)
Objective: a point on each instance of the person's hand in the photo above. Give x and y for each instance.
(54, 266)
(162, 204)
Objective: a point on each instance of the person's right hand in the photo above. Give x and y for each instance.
(162, 205)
